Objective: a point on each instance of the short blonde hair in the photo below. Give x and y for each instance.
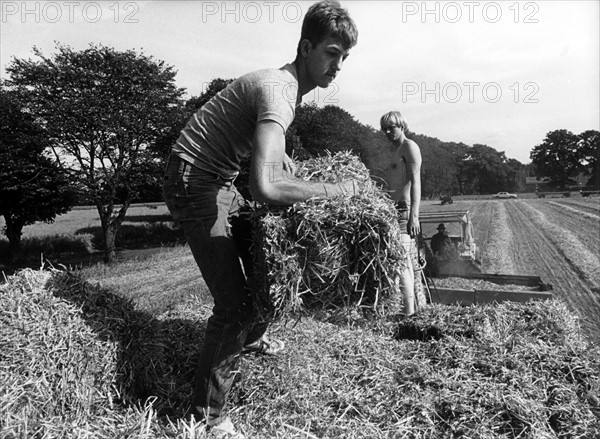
(393, 118)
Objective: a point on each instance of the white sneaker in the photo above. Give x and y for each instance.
(226, 430)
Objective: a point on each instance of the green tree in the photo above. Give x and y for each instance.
(482, 170)
(516, 176)
(439, 170)
(589, 152)
(558, 157)
(329, 128)
(103, 109)
(32, 187)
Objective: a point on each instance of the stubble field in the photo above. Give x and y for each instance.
(556, 239)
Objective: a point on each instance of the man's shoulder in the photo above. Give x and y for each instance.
(410, 150)
(409, 143)
(259, 76)
(268, 86)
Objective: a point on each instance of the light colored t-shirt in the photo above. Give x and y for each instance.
(219, 136)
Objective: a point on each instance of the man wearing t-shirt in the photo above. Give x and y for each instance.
(248, 118)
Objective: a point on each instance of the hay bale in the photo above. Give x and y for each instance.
(53, 366)
(78, 358)
(327, 253)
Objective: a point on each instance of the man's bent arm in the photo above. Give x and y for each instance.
(270, 183)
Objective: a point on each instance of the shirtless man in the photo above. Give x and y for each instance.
(404, 182)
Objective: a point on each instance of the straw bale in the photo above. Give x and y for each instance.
(52, 363)
(327, 253)
(75, 354)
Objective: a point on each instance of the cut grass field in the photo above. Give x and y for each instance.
(75, 238)
(82, 219)
(109, 352)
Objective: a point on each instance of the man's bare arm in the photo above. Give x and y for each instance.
(271, 181)
(413, 168)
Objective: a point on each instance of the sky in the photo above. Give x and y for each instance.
(499, 73)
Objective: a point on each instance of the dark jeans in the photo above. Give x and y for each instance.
(207, 208)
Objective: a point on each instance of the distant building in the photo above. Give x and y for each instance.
(534, 184)
(535, 180)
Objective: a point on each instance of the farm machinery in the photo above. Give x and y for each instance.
(446, 199)
(456, 274)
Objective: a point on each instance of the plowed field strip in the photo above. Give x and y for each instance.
(497, 248)
(591, 206)
(529, 243)
(544, 247)
(576, 210)
(586, 227)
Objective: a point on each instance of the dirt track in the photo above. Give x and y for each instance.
(558, 240)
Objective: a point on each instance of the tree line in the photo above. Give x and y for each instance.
(95, 127)
(563, 156)
(448, 167)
